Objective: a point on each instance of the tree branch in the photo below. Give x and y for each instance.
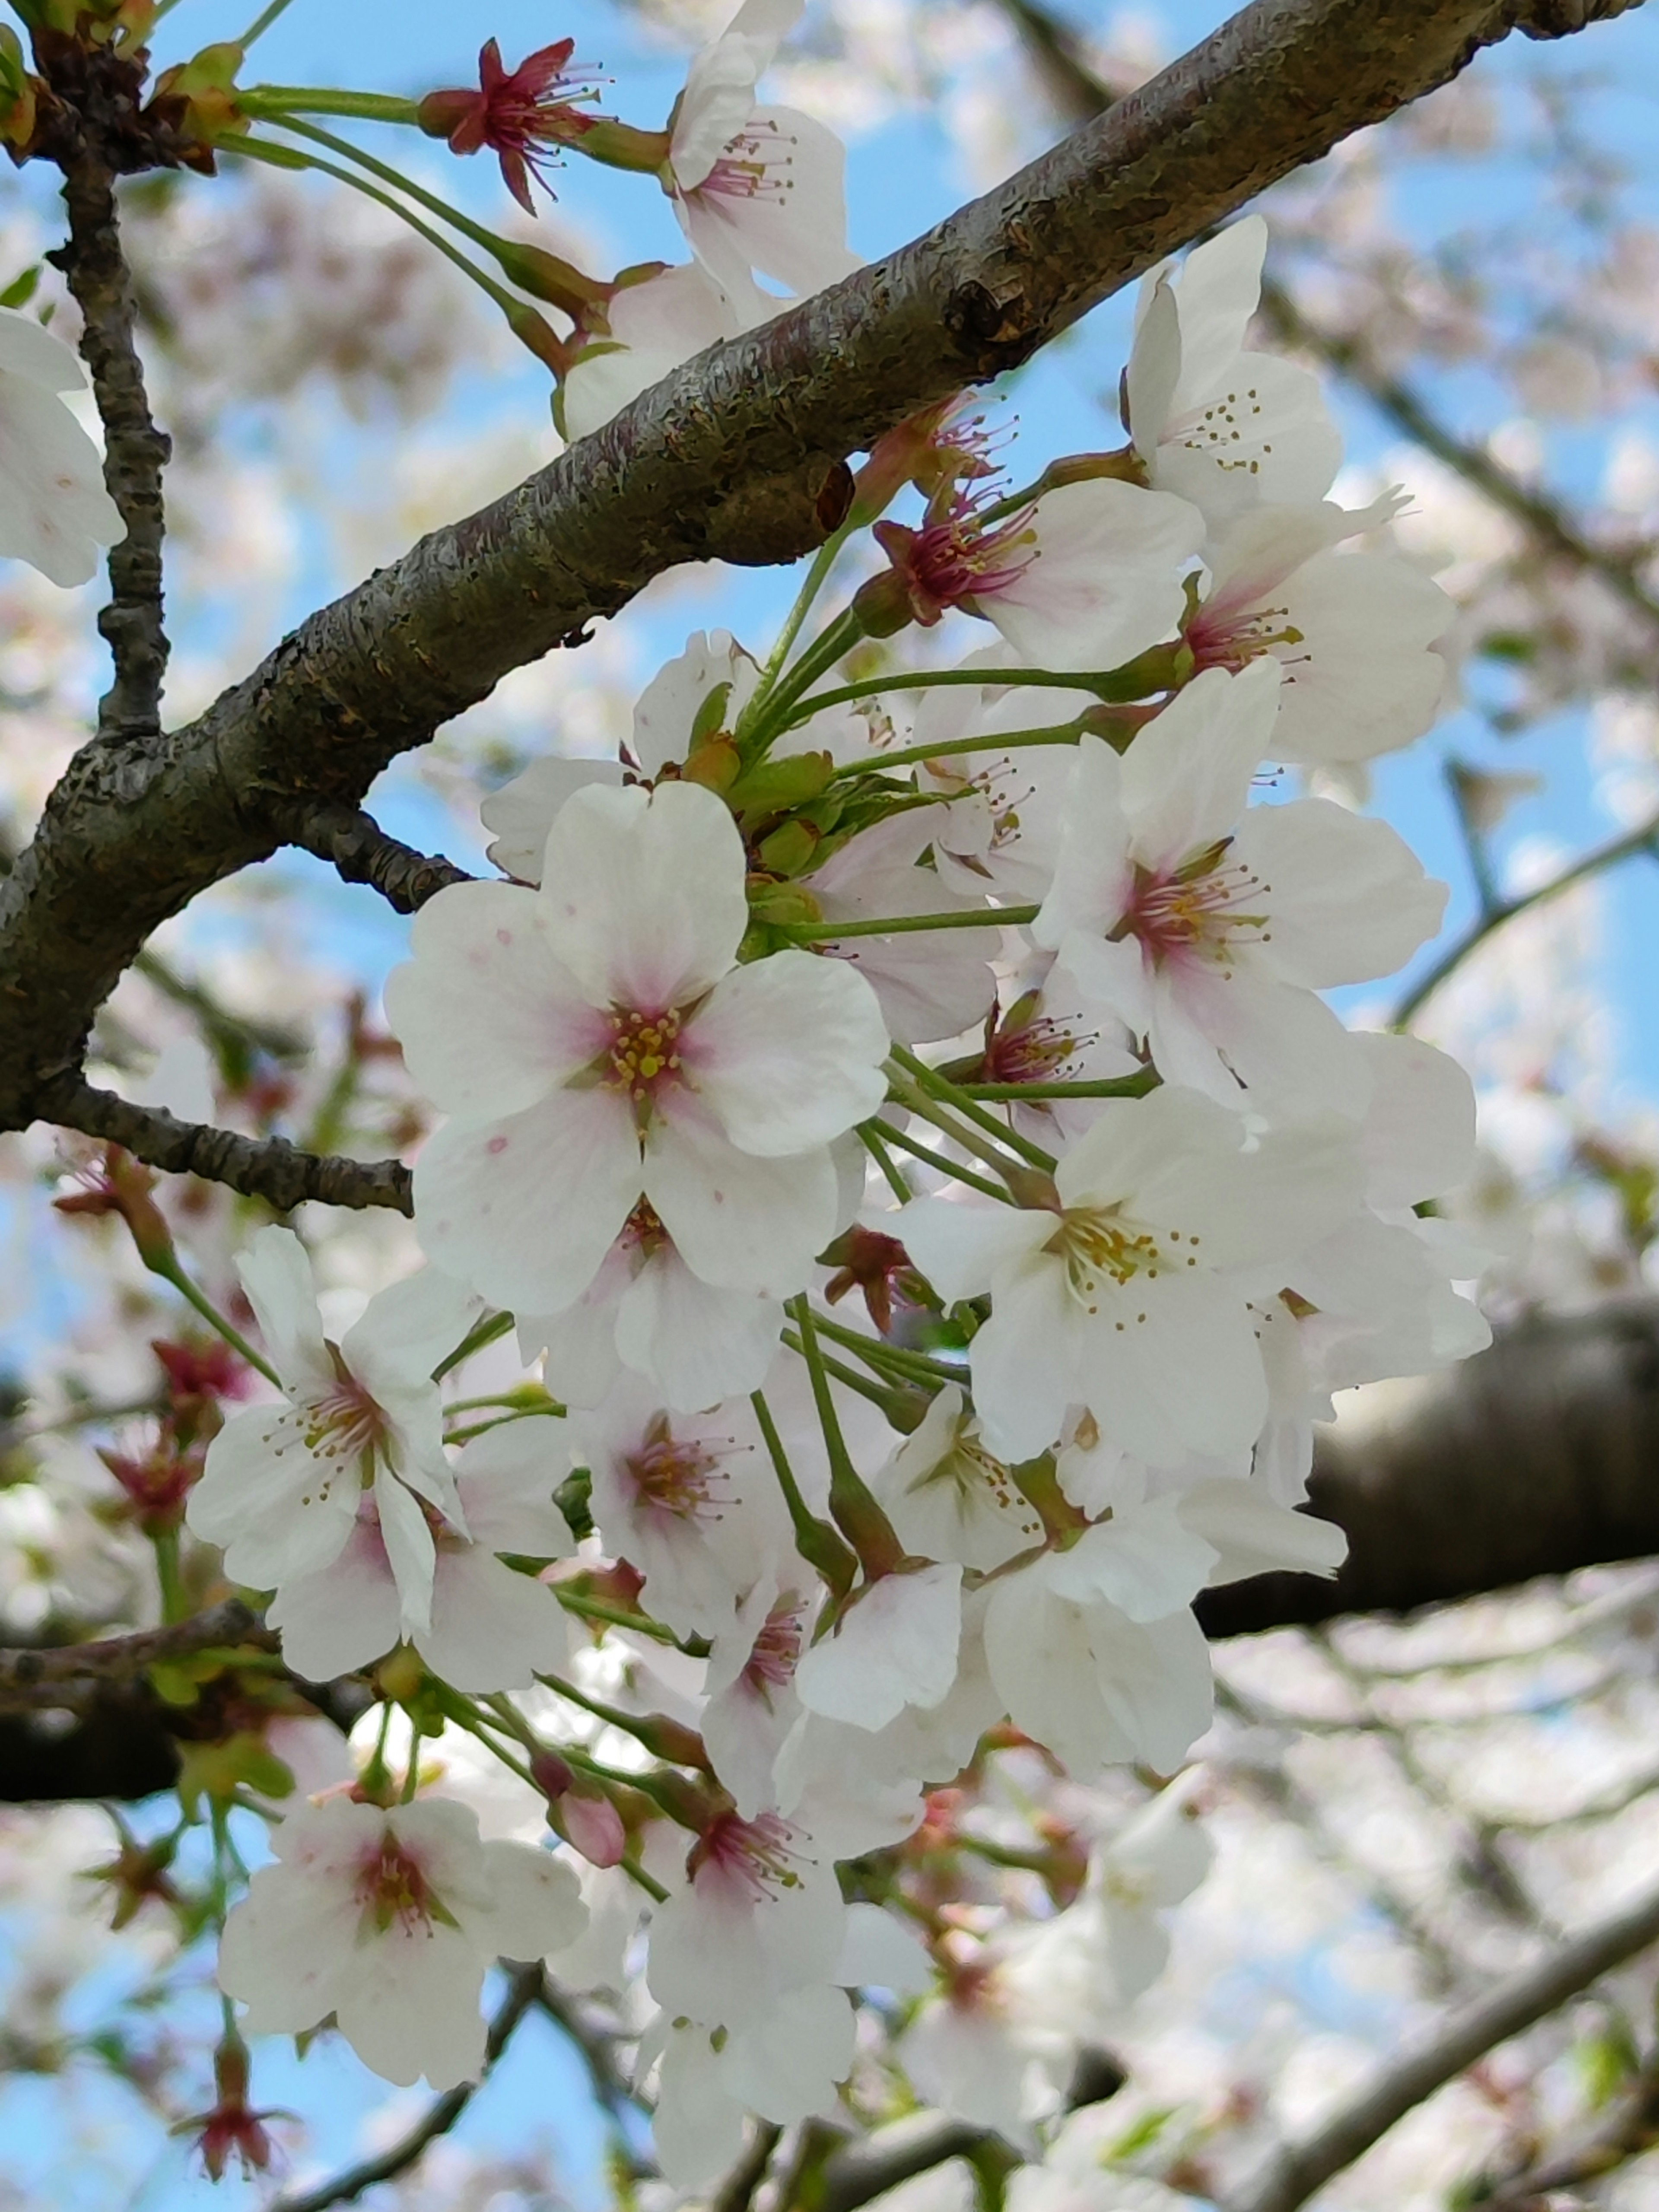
(1628, 2131)
(1298, 2171)
(354, 843)
(259, 1167)
(71, 1676)
(724, 458)
(134, 450)
(1533, 1458)
(916, 2144)
(439, 2116)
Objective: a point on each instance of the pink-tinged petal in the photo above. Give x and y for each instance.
(1187, 777)
(697, 1344)
(343, 1617)
(790, 223)
(1360, 679)
(788, 1053)
(506, 1478)
(407, 1328)
(667, 708)
(277, 1508)
(526, 1208)
(521, 812)
(276, 1273)
(740, 1222)
(1105, 582)
(288, 1948)
(1349, 900)
(410, 2006)
(1029, 1361)
(409, 1548)
(488, 1019)
(644, 895)
(491, 1629)
(962, 1246)
(536, 1907)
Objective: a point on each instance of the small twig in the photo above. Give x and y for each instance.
(1297, 2170)
(135, 451)
(867, 2169)
(70, 1674)
(736, 2193)
(1628, 2131)
(269, 1167)
(354, 843)
(523, 1987)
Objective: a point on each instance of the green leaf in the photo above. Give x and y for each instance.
(22, 289)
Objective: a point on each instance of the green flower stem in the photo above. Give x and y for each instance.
(1108, 684)
(261, 23)
(943, 1088)
(903, 925)
(822, 561)
(853, 1503)
(612, 1616)
(376, 1774)
(885, 1160)
(489, 1331)
(1119, 1086)
(482, 1428)
(278, 101)
(906, 1143)
(290, 157)
(911, 1095)
(175, 1603)
(914, 1366)
(826, 649)
(171, 1272)
(815, 1539)
(883, 1395)
(1057, 733)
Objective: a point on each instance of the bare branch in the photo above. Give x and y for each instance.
(724, 459)
(259, 1167)
(913, 2145)
(73, 1675)
(437, 2120)
(134, 450)
(1298, 2170)
(1628, 2130)
(736, 2193)
(354, 843)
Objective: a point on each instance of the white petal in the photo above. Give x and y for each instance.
(741, 1223)
(276, 1273)
(788, 1053)
(521, 812)
(491, 1629)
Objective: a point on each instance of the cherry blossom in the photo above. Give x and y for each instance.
(598, 1045)
(755, 188)
(521, 114)
(1208, 928)
(894, 1645)
(1211, 423)
(1353, 632)
(1088, 576)
(1127, 1295)
(483, 1626)
(759, 1914)
(54, 511)
(285, 1491)
(389, 1919)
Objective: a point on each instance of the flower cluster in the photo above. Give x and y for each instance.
(902, 1119)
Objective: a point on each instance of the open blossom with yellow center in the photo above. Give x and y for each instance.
(1129, 1294)
(598, 1045)
(1207, 926)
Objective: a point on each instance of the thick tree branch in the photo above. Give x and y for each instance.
(135, 451)
(72, 1676)
(916, 2144)
(259, 1167)
(1079, 92)
(1299, 2169)
(439, 2116)
(726, 458)
(1533, 1458)
(354, 843)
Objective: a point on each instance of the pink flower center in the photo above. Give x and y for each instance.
(1034, 1052)
(771, 1665)
(1231, 638)
(751, 1856)
(346, 1423)
(951, 560)
(391, 1886)
(1196, 910)
(750, 165)
(678, 1474)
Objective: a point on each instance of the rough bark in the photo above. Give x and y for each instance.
(1535, 1457)
(726, 458)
